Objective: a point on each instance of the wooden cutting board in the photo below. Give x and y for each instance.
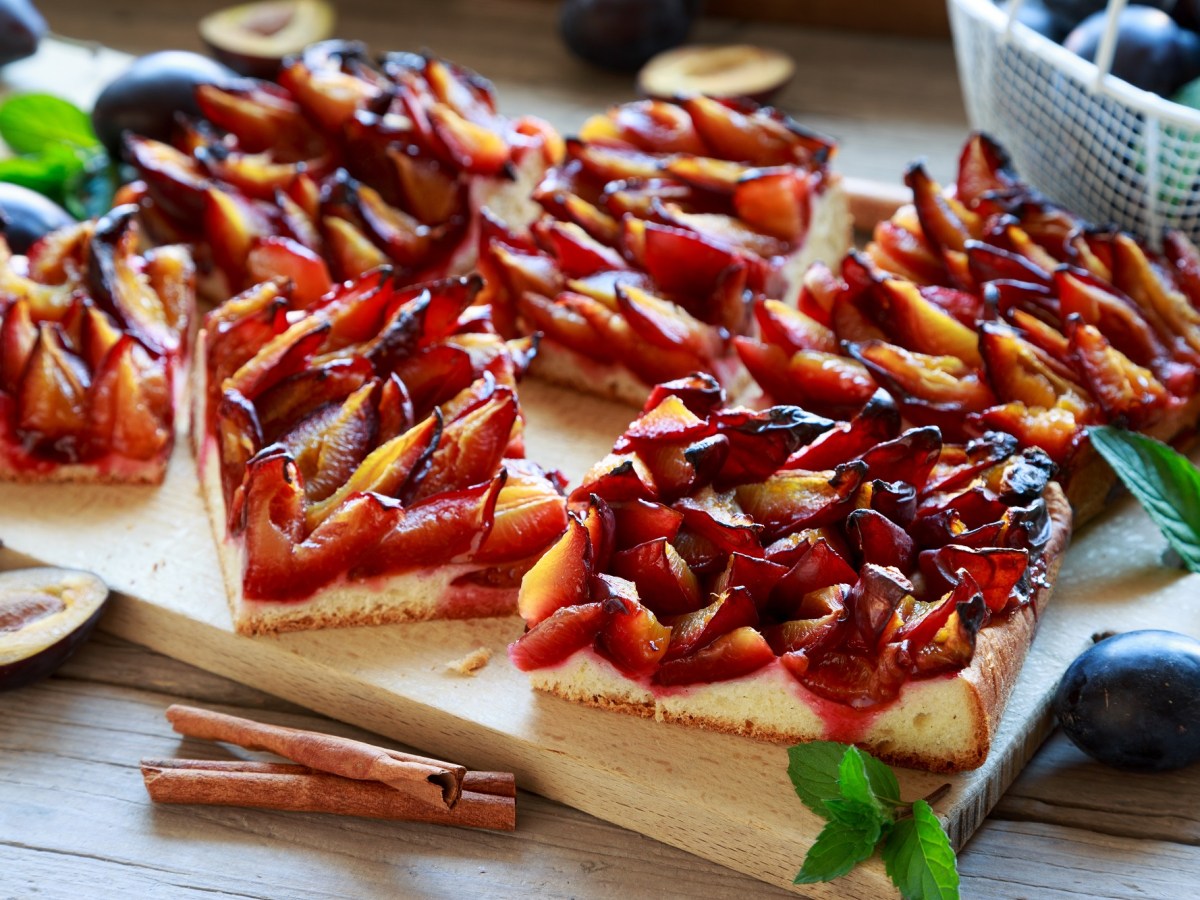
(723, 798)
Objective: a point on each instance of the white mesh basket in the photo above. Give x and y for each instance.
(1092, 142)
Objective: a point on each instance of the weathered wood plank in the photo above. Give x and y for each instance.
(1027, 859)
(1063, 787)
(68, 754)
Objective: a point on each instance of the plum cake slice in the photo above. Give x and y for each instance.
(990, 309)
(362, 458)
(776, 574)
(346, 163)
(663, 223)
(93, 335)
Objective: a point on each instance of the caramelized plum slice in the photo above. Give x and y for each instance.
(854, 678)
(281, 357)
(1020, 372)
(760, 442)
(777, 202)
(664, 581)
(999, 573)
(740, 652)
(985, 177)
(904, 313)
(910, 457)
(680, 469)
(824, 382)
(668, 421)
(819, 566)
(699, 392)
(796, 498)
(561, 578)
(565, 631)
(681, 261)
(529, 515)
(120, 287)
(876, 422)
(18, 337)
(652, 125)
(1123, 388)
(747, 134)
(130, 402)
(601, 525)
(756, 575)
(471, 445)
(638, 521)
(873, 601)
(877, 539)
(390, 470)
(631, 637)
(946, 223)
(52, 399)
(791, 329)
(332, 441)
(719, 518)
(953, 646)
(897, 500)
(665, 324)
(729, 610)
(280, 407)
(282, 563)
(1095, 303)
(616, 479)
(446, 528)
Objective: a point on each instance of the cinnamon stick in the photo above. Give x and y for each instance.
(430, 781)
(298, 788)
(499, 784)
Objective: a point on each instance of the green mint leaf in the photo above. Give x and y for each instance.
(862, 817)
(31, 122)
(837, 850)
(854, 783)
(883, 780)
(1165, 483)
(813, 768)
(919, 859)
(47, 174)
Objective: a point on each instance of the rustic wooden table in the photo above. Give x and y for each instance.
(74, 817)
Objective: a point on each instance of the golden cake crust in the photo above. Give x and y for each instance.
(940, 724)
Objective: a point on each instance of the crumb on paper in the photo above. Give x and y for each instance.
(471, 663)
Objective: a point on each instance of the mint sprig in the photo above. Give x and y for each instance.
(58, 153)
(918, 857)
(859, 797)
(31, 122)
(1164, 481)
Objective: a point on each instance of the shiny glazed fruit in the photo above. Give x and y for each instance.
(624, 34)
(1133, 701)
(1153, 51)
(145, 97)
(1075, 11)
(27, 215)
(1043, 19)
(21, 27)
